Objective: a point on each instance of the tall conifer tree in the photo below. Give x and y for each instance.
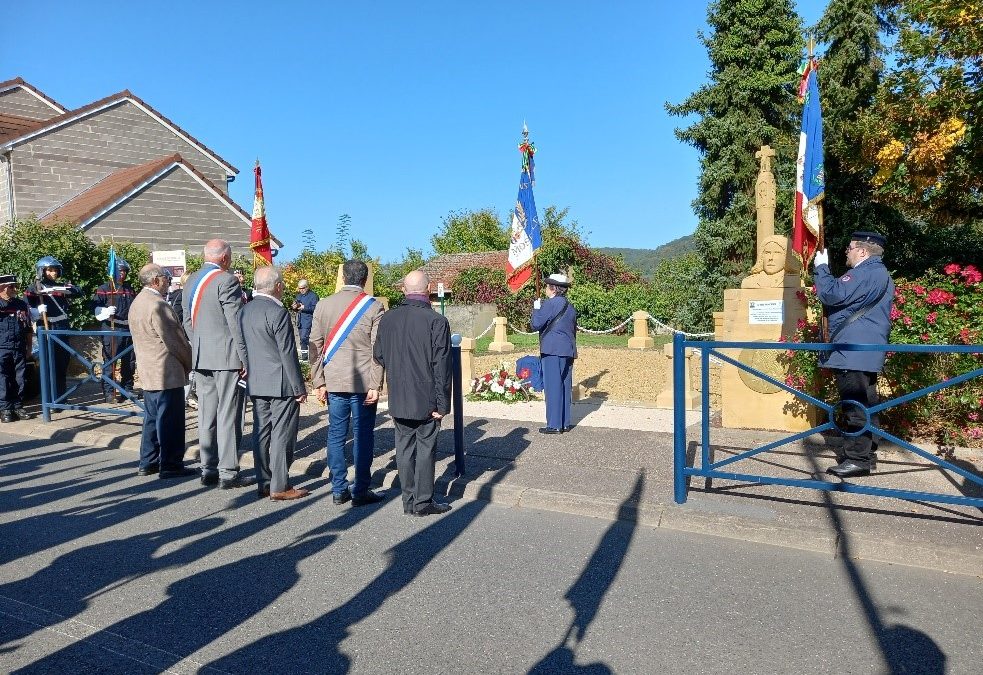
(755, 47)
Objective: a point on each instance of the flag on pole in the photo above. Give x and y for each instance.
(259, 236)
(113, 271)
(810, 182)
(526, 233)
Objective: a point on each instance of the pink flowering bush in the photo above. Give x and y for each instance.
(937, 308)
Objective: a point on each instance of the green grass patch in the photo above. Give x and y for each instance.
(527, 342)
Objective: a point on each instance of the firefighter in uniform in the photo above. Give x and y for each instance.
(15, 346)
(858, 306)
(111, 305)
(49, 296)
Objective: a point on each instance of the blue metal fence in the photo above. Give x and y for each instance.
(710, 469)
(47, 342)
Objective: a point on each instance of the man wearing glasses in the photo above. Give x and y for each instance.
(858, 307)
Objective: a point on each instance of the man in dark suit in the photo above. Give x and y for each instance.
(163, 356)
(211, 306)
(275, 383)
(413, 345)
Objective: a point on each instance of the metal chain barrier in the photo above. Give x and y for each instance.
(663, 329)
(485, 332)
(521, 332)
(605, 332)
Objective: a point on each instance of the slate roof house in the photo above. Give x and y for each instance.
(117, 167)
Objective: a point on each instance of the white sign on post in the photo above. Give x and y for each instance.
(440, 289)
(765, 311)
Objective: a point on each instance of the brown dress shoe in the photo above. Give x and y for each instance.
(289, 493)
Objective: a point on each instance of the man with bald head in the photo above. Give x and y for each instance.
(163, 356)
(275, 385)
(212, 300)
(414, 346)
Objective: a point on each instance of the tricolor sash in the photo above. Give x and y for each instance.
(343, 328)
(196, 291)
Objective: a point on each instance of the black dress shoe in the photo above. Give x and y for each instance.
(849, 469)
(148, 470)
(263, 492)
(181, 472)
(433, 509)
(341, 498)
(209, 480)
(22, 414)
(7, 416)
(368, 498)
(567, 428)
(550, 430)
(236, 483)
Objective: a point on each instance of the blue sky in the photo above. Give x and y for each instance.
(399, 112)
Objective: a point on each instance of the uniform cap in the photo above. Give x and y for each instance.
(557, 280)
(869, 238)
(6, 279)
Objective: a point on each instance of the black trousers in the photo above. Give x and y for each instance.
(12, 369)
(111, 346)
(162, 442)
(860, 386)
(416, 445)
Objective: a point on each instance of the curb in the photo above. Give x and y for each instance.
(679, 518)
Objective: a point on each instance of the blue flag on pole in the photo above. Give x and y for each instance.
(810, 179)
(526, 232)
(113, 267)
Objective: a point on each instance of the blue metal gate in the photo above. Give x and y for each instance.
(47, 342)
(709, 469)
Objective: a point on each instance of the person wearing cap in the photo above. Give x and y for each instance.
(858, 308)
(15, 346)
(49, 296)
(247, 294)
(111, 306)
(304, 305)
(556, 320)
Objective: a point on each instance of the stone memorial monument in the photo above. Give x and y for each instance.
(763, 309)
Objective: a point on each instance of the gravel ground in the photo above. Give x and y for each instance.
(617, 375)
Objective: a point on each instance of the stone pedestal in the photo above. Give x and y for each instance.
(467, 360)
(501, 344)
(666, 398)
(340, 281)
(640, 334)
(758, 315)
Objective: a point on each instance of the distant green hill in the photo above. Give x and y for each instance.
(645, 260)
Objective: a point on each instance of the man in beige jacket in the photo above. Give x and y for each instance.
(163, 360)
(346, 376)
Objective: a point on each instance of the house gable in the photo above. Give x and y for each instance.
(165, 204)
(17, 97)
(444, 269)
(55, 162)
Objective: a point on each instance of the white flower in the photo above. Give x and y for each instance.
(497, 388)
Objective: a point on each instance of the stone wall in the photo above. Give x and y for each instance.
(24, 104)
(468, 320)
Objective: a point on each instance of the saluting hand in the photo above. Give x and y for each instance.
(822, 258)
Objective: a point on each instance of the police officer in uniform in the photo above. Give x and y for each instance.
(858, 307)
(556, 320)
(111, 305)
(49, 296)
(15, 345)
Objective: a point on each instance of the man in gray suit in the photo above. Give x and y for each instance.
(275, 385)
(212, 300)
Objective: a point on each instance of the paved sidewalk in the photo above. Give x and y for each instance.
(593, 470)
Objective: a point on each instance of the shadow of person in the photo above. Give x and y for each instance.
(587, 592)
(908, 650)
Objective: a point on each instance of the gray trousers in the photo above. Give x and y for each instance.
(275, 424)
(220, 403)
(416, 444)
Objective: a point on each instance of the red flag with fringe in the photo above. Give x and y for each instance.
(259, 236)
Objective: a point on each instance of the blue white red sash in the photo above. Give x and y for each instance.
(343, 328)
(196, 291)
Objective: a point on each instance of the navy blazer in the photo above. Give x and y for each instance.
(842, 297)
(561, 338)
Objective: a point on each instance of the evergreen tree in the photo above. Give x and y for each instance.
(755, 47)
(849, 74)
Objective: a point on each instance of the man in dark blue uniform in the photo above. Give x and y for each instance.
(858, 307)
(15, 345)
(111, 305)
(49, 296)
(304, 305)
(556, 320)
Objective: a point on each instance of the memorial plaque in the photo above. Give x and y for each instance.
(765, 311)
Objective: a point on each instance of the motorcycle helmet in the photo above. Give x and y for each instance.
(46, 262)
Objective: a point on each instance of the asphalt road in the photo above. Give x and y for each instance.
(105, 572)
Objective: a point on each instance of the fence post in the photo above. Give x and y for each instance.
(457, 396)
(679, 417)
(640, 328)
(501, 342)
(45, 365)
